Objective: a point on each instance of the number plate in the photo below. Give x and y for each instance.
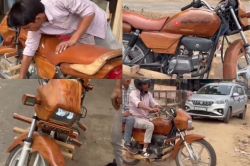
(200, 108)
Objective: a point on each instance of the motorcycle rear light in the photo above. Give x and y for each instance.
(115, 74)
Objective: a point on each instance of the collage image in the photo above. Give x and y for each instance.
(124, 83)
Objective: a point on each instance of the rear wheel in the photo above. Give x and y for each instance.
(242, 65)
(204, 152)
(228, 115)
(34, 159)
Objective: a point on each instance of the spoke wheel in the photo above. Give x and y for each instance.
(34, 159)
(202, 151)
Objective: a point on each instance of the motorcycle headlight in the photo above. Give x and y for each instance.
(220, 102)
(190, 124)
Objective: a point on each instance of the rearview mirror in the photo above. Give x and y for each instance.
(30, 100)
(235, 95)
(173, 112)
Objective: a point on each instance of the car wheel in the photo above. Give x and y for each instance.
(228, 115)
(243, 114)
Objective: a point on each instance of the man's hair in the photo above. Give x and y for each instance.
(24, 12)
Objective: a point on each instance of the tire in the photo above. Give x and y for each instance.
(209, 148)
(243, 114)
(128, 161)
(148, 56)
(15, 153)
(228, 116)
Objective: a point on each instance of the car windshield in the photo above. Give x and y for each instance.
(215, 90)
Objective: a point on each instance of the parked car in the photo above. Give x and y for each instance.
(218, 101)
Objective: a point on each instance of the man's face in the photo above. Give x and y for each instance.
(36, 25)
(126, 83)
(145, 87)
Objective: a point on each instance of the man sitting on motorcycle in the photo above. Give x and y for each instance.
(82, 20)
(141, 104)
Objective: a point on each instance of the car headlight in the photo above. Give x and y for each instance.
(220, 102)
(190, 124)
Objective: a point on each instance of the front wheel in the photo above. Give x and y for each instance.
(128, 159)
(228, 115)
(202, 151)
(243, 114)
(34, 159)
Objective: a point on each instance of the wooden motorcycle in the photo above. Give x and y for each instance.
(185, 44)
(79, 61)
(49, 139)
(170, 139)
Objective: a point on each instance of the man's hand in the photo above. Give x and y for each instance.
(82, 28)
(126, 114)
(64, 45)
(116, 97)
(26, 61)
(153, 110)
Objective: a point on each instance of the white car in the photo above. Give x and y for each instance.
(218, 101)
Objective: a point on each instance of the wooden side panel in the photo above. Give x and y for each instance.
(161, 42)
(162, 127)
(45, 69)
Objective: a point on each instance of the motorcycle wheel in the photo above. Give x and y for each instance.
(128, 160)
(183, 158)
(242, 64)
(15, 154)
(139, 51)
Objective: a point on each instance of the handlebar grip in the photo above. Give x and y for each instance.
(187, 7)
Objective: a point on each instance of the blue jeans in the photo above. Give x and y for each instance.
(129, 125)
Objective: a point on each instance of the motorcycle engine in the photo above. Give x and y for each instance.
(191, 56)
(157, 145)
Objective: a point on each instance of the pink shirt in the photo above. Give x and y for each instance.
(64, 17)
(135, 99)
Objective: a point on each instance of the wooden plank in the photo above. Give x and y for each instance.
(12, 68)
(135, 72)
(65, 146)
(117, 26)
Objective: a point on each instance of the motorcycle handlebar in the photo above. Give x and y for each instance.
(187, 7)
(169, 112)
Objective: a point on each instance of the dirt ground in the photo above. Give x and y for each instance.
(162, 8)
(96, 149)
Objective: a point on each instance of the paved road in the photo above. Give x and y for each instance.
(96, 149)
